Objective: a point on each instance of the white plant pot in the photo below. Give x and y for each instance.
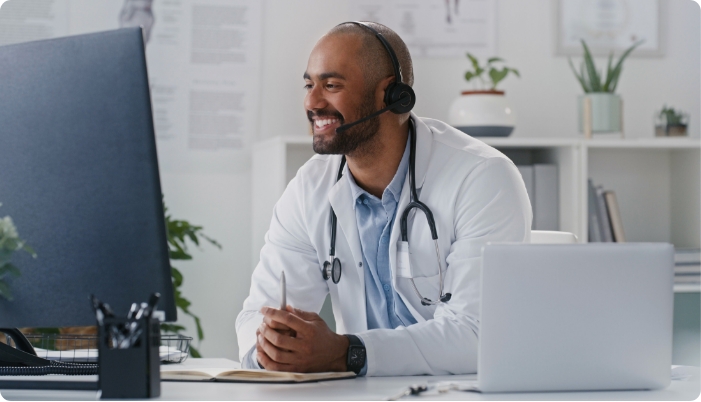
(482, 114)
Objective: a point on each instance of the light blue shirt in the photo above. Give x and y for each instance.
(375, 218)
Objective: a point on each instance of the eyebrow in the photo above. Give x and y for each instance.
(323, 76)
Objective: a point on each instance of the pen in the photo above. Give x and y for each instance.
(132, 311)
(152, 303)
(283, 292)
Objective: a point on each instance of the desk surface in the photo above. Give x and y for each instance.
(365, 388)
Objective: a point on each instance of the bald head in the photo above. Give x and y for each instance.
(374, 58)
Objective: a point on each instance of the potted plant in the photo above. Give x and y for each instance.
(179, 234)
(484, 110)
(600, 109)
(9, 243)
(670, 122)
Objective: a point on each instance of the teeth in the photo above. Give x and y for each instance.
(324, 122)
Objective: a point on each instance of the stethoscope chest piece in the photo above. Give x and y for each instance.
(332, 270)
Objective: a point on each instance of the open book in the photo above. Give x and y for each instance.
(243, 375)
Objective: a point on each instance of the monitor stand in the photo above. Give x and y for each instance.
(25, 356)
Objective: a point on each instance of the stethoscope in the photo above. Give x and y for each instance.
(332, 267)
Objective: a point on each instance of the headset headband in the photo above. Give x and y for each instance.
(393, 57)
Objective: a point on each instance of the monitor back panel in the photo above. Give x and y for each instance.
(79, 177)
(576, 317)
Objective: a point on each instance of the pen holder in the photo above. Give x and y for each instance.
(129, 365)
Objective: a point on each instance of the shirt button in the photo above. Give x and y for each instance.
(360, 264)
(386, 287)
(365, 202)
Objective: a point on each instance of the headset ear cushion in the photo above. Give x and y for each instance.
(400, 91)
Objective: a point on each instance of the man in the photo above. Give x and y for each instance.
(475, 193)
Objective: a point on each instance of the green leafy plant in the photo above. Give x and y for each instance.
(673, 117)
(591, 79)
(179, 234)
(9, 243)
(496, 75)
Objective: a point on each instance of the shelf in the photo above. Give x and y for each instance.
(283, 140)
(541, 142)
(645, 143)
(632, 143)
(529, 142)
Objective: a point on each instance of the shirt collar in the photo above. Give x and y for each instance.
(394, 187)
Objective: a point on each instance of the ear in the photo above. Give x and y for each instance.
(382, 88)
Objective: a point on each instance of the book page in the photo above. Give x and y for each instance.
(274, 376)
(248, 375)
(199, 373)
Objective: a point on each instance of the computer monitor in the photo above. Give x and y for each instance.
(79, 177)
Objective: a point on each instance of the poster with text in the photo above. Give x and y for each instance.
(435, 28)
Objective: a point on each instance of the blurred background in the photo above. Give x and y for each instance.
(227, 74)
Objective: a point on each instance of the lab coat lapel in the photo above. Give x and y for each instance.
(424, 143)
(353, 304)
(424, 147)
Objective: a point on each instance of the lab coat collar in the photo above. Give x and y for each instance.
(342, 202)
(424, 146)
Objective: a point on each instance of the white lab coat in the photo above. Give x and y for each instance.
(477, 196)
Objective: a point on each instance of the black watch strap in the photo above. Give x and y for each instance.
(356, 354)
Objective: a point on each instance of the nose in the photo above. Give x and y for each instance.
(314, 99)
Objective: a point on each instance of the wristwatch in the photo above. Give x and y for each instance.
(356, 354)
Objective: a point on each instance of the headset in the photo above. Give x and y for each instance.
(400, 99)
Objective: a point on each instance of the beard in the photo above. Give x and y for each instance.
(356, 139)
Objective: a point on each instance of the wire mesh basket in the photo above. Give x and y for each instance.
(83, 348)
(174, 348)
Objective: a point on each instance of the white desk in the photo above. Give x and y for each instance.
(366, 388)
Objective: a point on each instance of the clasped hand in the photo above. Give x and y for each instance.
(298, 341)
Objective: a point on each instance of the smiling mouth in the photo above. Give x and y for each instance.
(321, 125)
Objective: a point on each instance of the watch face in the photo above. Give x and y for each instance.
(357, 356)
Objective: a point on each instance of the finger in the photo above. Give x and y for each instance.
(274, 353)
(282, 341)
(294, 322)
(270, 365)
(275, 325)
(305, 315)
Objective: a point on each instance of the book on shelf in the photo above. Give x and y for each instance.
(541, 181)
(604, 215)
(687, 269)
(244, 375)
(691, 279)
(593, 213)
(614, 216)
(546, 214)
(687, 256)
(604, 223)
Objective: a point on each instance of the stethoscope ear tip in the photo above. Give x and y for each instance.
(446, 297)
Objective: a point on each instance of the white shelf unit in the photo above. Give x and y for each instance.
(657, 182)
(275, 162)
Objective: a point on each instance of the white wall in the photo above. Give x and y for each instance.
(544, 99)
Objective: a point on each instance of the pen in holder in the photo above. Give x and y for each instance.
(129, 365)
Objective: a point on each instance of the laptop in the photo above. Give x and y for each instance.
(573, 317)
